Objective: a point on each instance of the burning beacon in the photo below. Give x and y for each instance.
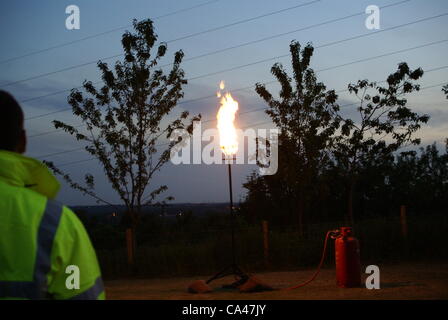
(226, 116)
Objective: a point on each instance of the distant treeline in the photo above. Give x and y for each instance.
(416, 179)
(341, 164)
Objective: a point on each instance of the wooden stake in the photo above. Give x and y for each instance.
(404, 225)
(130, 246)
(265, 226)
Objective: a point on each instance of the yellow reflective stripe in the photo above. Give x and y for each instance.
(45, 236)
(37, 289)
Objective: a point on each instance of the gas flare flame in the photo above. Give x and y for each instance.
(226, 117)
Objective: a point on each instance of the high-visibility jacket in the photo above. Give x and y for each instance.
(40, 239)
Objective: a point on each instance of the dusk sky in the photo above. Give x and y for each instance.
(31, 68)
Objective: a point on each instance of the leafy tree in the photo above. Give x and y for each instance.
(430, 175)
(258, 203)
(126, 117)
(305, 113)
(418, 179)
(385, 125)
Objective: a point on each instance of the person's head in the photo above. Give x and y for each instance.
(12, 133)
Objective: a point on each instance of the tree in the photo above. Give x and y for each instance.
(431, 175)
(385, 125)
(258, 202)
(305, 113)
(125, 119)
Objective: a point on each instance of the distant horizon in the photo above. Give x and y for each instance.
(177, 203)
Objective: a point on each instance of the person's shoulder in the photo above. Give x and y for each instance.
(69, 224)
(66, 211)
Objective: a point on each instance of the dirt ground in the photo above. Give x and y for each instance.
(404, 281)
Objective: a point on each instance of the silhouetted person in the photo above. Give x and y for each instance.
(45, 251)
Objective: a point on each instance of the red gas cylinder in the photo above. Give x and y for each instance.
(348, 266)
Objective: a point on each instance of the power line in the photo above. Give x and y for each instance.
(93, 158)
(252, 125)
(103, 33)
(248, 87)
(386, 54)
(321, 46)
(51, 132)
(240, 45)
(244, 21)
(58, 71)
(74, 162)
(255, 110)
(245, 65)
(60, 152)
(47, 114)
(170, 41)
(83, 125)
(336, 66)
(434, 85)
(55, 93)
(425, 71)
(422, 88)
(325, 69)
(285, 33)
(283, 56)
(329, 68)
(82, 148)
(244, 112)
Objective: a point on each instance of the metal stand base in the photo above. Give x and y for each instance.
(240, 276)
(233, 269)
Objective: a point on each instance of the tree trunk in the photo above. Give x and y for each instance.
(350, 198)
(130, 246)
(300, 214)
(131, 224)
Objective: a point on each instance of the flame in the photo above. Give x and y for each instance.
(221, 87)
(226, 117)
